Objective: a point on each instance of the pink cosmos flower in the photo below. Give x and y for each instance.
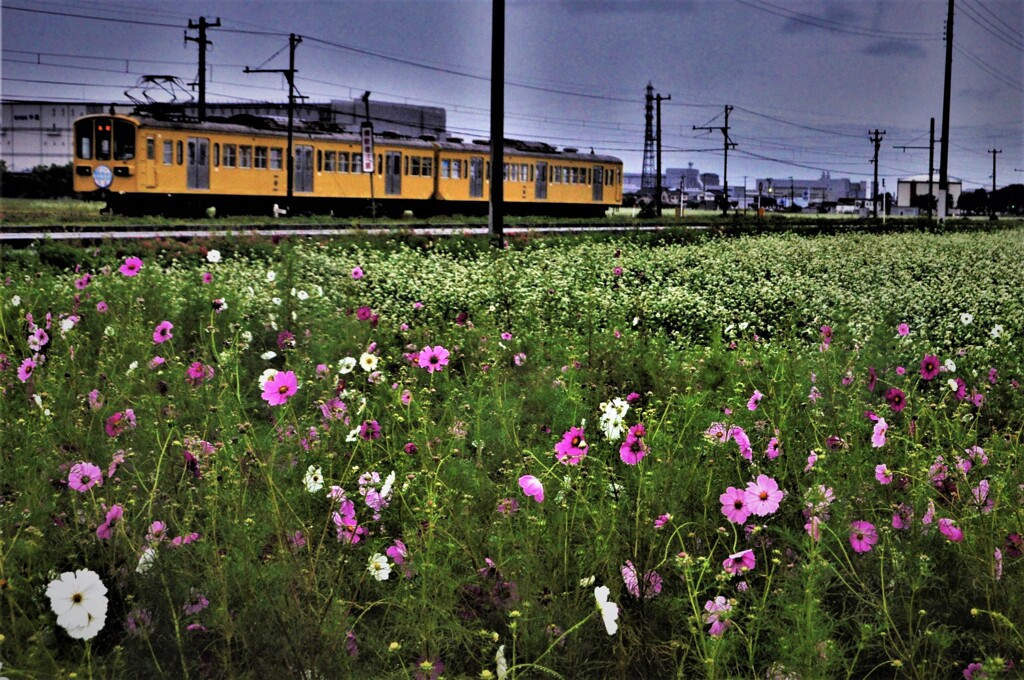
(717, 433)
(280, 387)
(930, 366)
(950, 530)
(754, 400)
(357, 273)
(878, 434)
(207, 277)
(105, 530)
(652, 581)
(812, 458)
(763, 496)
(572, 448)
(813, 528)
(634, 448)
(862, 536)
(734, 505)
(716, 609)
(162, 332)
(737, 434)
(662, 520)
(83, 282)
(83, 476)
(38, 339)
(903, 330)
(532, 487)
(348, 529)
(119, 422)
(774, 449)
(101, 307)
(197, 373)
(896, 398)
(25, 370)
(740, 562)
(883, 474)
(903, 517)
(131, 266)
(433, 358)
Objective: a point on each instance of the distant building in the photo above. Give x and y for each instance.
(913, 192)
(806, 192)
(36, 133)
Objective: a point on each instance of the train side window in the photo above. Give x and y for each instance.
(357, 163)
(245, 156)
(457, 169)
(230, 155)
(406, 169)
(276, 158)
(181, 153)
(168, 153)
(446, 168)
(124, 141)
(487, 171)
(343, 161)
(531, 173)
(330, 158)
(216, 155)
(150, 149)
(427, 167)
(261, 157)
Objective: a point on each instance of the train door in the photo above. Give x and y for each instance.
(198, 163)
(302, 178)
(598, 184)
(393, 174)
(476, 177)
(541, 183)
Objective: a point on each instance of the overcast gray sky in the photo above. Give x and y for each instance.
(808, 78)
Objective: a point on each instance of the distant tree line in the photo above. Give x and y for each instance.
(42, 181)
(1007, 201)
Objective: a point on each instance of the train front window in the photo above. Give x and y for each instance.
(83, 140)
(103, 133)
(124, 140)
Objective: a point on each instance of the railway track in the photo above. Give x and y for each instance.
(29, 233)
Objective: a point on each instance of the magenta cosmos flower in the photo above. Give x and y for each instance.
(862, 536)
(433, 358)
(763, 496)
(25, 370)
(357, 273)
(896, 398)
(84, 476)
(532, 487)
(280, 387)
(930, 366)
(162, 332)
(740, 562)
(734, 505)
(131, 266)
(903, 330)
(634, 448)
(572, 448)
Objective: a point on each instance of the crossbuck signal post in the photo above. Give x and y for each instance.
(203, 43)
(726, 145)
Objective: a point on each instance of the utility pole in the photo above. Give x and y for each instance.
(289, 74)
(931, 163)
(497, 206)
(991, 198)
(944, 158)
(203, 43)
(658, 188)
(727, 144)
(876, 138)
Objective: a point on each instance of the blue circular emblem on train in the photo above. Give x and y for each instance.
(103, 176)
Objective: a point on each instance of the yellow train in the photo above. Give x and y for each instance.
(141, 164)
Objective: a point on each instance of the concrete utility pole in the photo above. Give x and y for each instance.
(658, 188)
(991, 201)
(931, 164)
(727, 144)
(203, 43)
(495, 215)
(876, 138)
(289, 74)
(944, 157)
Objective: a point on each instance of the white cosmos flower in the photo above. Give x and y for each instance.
(346, 365)
(67, 324)
(379, 567)
(966, 318)
(276, 300)
(501, 663)
(246, 336)
(146, 559)
(996, 332)
(389, 482)
(952, 384)
(268, 355)
(314, 479)
(302, 295)
(271, 276)
(353, 435)
(368, 361)
(265, 376)
(16, 301)
(213, 256)
(609, 610)
(587, 582)
(79, 600)
(950, 365)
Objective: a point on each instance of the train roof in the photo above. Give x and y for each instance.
(249, 124)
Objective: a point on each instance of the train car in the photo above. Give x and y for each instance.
(147, 165)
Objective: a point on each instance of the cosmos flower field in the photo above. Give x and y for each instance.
(771, 457)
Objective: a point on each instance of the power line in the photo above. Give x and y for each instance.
(839, 27)
(989, 27)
